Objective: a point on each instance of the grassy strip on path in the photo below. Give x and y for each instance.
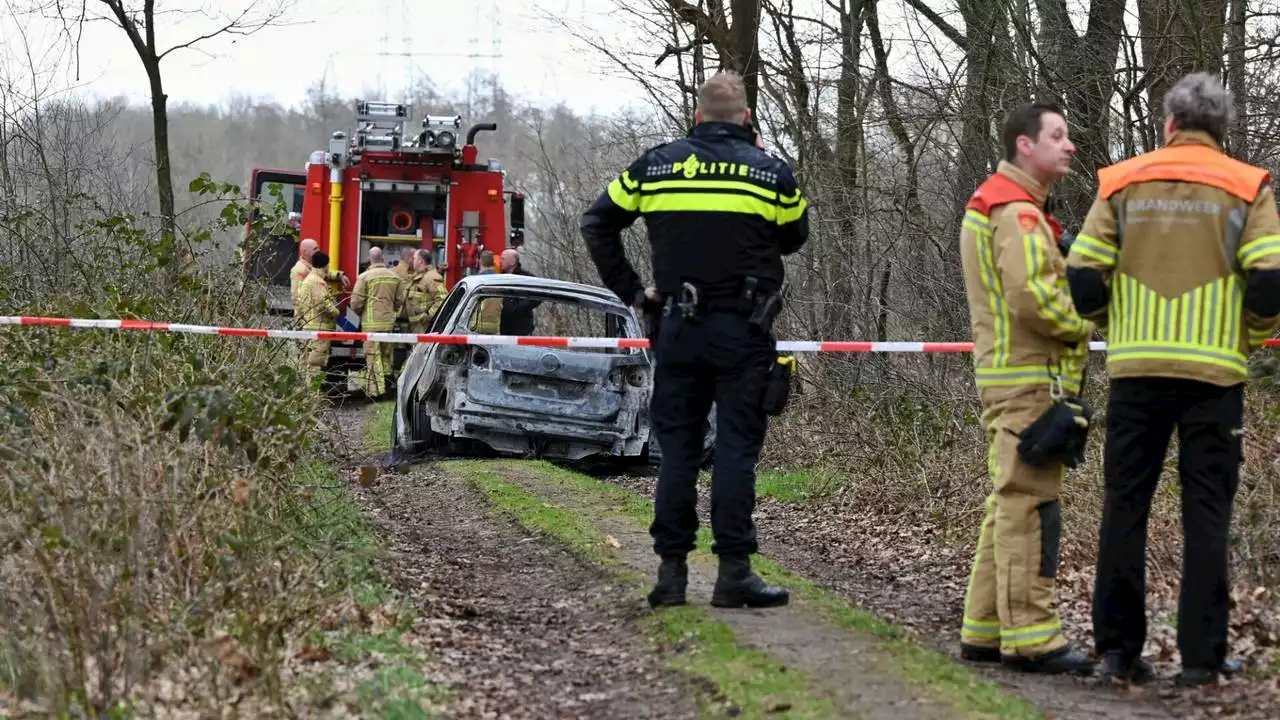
(756, 684)
(364, 638)
(376, 433)
(923, 668)
(369, 623)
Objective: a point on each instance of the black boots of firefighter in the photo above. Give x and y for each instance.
(737, 586)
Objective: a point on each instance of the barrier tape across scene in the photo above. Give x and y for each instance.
(818, 346)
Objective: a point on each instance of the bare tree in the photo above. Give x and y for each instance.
(138, 21)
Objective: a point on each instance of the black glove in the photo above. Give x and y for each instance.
(1060, 434)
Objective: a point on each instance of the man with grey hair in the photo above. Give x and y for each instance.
(1179, 258)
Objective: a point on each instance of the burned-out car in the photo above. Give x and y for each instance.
(556, 403)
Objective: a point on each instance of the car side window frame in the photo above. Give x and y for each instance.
(447, 310)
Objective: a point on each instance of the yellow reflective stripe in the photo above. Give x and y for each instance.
(708, 202)
(991, 283)
(1008, 375)
(1256, 249)
(1257, 337)
(1047, 306)
(627, 183)
(1178, 351)
(788, 214)
(1092, 247)
(1200, 325)
(627, 199)
(978, 218)
(1029, 635)
(980, 629)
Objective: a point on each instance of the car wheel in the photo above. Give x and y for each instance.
(421, 436)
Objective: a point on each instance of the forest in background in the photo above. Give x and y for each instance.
(890, 128)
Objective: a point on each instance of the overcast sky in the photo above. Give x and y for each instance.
(333, 41)
(330, 40)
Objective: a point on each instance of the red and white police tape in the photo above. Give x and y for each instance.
(837, 346)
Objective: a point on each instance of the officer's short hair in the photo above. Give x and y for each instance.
(1199, 102)
(1025, 120)
(723, 97)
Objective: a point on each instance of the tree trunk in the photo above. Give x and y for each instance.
(746, 47)
(988, 60)
(1238, 138)
(164, 175)
(1179, 37)
(1080, 74)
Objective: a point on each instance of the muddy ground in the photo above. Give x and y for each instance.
(903, 575)
(522, 628)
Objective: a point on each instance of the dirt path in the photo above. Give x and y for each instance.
(851, 668)
(518, 628)
(901, 575)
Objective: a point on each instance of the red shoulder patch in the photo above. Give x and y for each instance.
(1028, 220)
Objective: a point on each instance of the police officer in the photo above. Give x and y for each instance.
(1180, 258)
(1030, 346)
(720, 213)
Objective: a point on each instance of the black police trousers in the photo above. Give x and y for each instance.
(1141, 415)
(718, 357)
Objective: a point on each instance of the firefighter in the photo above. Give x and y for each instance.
(423, 294)
(1179, 258)
(404, 269)
(315, 309)
(302, 268)
(376, 299)
(487, 319)
(1029, 344)
(721, 213)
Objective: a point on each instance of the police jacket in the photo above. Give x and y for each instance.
(717, 208)
(1026, 330)
(1179, 258)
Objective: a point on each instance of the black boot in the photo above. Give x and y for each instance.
(1121, 671)
(1055, 662)
(738, 586)
(673, 577)
(1191, 677)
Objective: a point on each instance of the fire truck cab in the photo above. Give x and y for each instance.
(384, 184)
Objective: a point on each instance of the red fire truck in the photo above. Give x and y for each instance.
(386, 185)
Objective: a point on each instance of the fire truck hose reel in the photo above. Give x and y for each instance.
(402, 221)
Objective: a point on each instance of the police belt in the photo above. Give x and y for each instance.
(760, 306)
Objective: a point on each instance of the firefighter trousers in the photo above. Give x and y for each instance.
(1141, 415)
(717, 358)
(377, 366)
(1009, 601)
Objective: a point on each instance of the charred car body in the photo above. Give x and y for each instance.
(556, 403)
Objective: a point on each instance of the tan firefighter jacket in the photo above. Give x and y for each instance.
(422, 296)
(1026, 331)
(1174, 233)
(315, 308)
(376, 298)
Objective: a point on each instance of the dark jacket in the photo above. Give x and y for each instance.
(517, 313)
(718, 209)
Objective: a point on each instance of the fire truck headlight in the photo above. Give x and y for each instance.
(445, 139)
